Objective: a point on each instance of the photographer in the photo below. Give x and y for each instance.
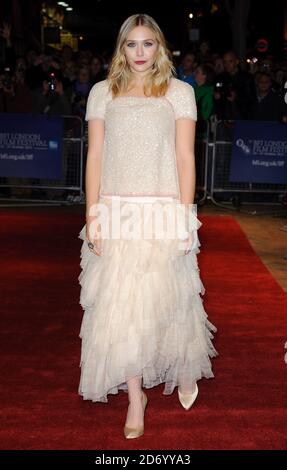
(52, 99)
(81, 89)
(15, 96)
(268, 105)
(234, 90)
(7, 53)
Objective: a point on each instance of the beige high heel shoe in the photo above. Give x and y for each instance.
(187, 399)
(132, 433)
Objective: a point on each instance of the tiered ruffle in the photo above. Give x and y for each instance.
(143, 315)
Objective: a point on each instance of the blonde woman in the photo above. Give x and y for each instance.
(144, 322)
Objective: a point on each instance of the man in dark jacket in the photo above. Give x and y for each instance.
(267, 104)
(234, 90)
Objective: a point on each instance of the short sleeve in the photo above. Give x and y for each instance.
(96, 104)
(183, 100)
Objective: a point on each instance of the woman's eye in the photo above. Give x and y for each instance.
(132, 44)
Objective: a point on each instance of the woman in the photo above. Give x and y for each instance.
(144, 323)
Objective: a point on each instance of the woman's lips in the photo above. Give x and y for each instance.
(140, 61)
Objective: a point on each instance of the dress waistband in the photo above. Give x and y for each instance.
(138, 198)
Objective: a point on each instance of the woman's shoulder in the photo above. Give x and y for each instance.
(97, 100)
(100, 88)
(179, 86)
(181, 95)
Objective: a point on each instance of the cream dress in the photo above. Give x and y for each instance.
(143, 313)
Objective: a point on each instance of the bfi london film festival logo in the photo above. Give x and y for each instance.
(245, 148)
(150, 220)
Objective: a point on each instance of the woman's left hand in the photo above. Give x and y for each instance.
(189, 242)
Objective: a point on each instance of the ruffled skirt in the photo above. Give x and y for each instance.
(143, 313)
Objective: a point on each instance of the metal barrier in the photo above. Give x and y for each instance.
(234, 192)
(68, 189)
(201, 160)
(213, 144)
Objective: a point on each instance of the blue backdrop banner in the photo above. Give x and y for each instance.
(259, 152)
(31, 146)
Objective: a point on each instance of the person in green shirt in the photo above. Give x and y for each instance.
(204, 91)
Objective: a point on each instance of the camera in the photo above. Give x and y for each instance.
(224, 89)
(52, 82)
(253, 60)
(7, 78)
(218, 86)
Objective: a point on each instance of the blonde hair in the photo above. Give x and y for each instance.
(119, 74)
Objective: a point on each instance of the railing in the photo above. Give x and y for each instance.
(225, 193)
(201, 160)
(68, 189)
(213, 149)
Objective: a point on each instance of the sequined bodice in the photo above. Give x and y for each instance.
(139, 149)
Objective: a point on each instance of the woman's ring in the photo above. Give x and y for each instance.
(91, 245)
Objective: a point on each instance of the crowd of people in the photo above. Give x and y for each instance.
(230, 90)
(59, 82)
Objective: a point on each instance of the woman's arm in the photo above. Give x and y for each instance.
(184, 146)
(96, 134)
(185, 135)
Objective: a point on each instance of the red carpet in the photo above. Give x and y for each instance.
(244, 407)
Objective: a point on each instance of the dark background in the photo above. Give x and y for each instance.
(266, 19)
(99, 21)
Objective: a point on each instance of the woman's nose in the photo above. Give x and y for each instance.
(139, 50)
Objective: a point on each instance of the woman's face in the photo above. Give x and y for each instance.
(140, 49)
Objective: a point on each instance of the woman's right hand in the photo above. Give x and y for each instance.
(93, 235)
